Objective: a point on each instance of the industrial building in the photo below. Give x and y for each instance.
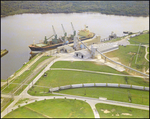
(84, 54)
(103, 48)
(65, 48)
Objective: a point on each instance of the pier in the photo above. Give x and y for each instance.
(4, 52)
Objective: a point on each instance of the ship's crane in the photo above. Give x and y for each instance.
(45, 41)
(55, 40)
(54, 33)
(65, 34)
(74, 32)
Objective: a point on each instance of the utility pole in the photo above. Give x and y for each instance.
(7, 81)
(137, 53)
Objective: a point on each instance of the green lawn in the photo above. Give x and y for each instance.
(61, 78)
(148, 49)
(148, 56)
(117, 111)
(117, 94)
(144, 38)
(54, 108)
(40, 91)
(85, 65)
(127, 55)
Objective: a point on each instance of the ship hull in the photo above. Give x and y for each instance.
(45, 48)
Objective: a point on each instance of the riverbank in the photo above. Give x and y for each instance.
(2, 16)
(123, 8)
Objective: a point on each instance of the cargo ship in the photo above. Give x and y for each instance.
(55, 42)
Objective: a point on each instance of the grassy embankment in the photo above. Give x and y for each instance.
(4, 80)
(113, 111)
(127, 56)
(54, 108)
(148, 53)
(21, 78)
(5, 102)
(61, 78)
(143, 39)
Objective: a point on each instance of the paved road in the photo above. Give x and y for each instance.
(91, 101)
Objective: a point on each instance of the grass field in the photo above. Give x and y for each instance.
(54, 108)
(61, 78)
(144, 38)
(127, 56)
(86, 65)
(148, 54)
(117, 94)
(113, 111)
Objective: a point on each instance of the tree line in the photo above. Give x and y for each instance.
(125, 8)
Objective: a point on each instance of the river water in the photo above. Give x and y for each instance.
(19, 31)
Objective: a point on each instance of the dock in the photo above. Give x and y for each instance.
(4, 52)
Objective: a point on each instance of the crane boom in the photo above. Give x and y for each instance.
(50, 37)
(65, 34)
(74, 32)
(54, 30)
(72, 26)
(54, 33)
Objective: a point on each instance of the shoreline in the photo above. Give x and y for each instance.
(2, 16)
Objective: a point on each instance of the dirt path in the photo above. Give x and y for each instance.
(94, 72)
(146, 52)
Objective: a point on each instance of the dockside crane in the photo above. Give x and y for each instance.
(74, 32)
(65, 34)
